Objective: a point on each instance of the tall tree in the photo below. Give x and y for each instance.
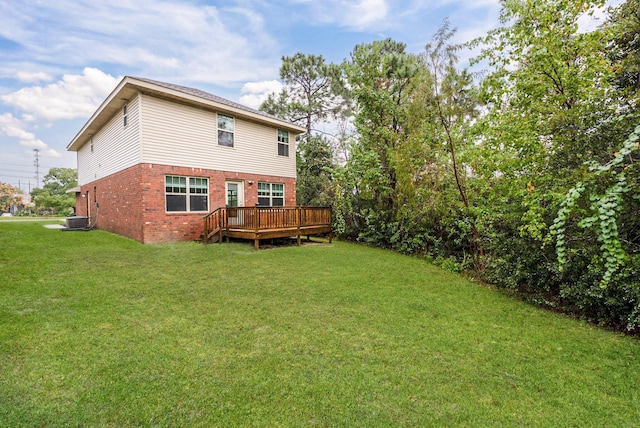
(454, 106)
(52, 196)
(379, 76)
(312, 93)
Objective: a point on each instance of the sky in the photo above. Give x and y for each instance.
(60, 59)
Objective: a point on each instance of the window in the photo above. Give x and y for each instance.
(283, 143)
(124, 115)
(271, 194)
(225, 130)
(184, 194)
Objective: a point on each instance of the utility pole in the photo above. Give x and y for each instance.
(36, 163)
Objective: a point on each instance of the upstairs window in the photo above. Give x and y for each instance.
(225, 130)
(186, 194)
(124, 115)
(283, 143)
(271, 194)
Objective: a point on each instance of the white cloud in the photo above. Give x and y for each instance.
(52, 153)
(179, 42)
(254, 93)
(73, 96)
(33, 77)
(13, 127)
(365, 13)
(358, 15)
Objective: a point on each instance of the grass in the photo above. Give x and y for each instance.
(99, 330)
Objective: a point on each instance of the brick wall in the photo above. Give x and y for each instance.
(119, 203)
(132, 202)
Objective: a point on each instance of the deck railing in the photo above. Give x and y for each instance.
(214, 224)
(257, 219)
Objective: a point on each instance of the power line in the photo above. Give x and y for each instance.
(2, 169)
(15, 164)
(15, 176)
(36, 163)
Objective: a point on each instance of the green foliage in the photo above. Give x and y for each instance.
(624, 51)
(549, 141)
(379, 76)
(314, 185)
(404, 186)
(9, 196)
(52, 197)
(605, 188)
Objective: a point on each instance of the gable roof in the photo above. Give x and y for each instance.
(130, 86)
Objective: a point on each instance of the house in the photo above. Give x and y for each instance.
(155, 158)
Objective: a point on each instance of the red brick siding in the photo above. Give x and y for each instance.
(119, 198)
(132, 202)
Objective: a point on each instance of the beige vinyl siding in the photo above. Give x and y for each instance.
(116, 147)
(176, 134)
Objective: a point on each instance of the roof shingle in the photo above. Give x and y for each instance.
(205, 95)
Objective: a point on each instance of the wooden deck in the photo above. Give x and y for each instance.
(256, 223)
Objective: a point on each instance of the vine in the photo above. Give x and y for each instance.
(603, 208)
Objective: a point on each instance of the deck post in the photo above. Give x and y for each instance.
(299, 221)
(256, 227)
(256, 219)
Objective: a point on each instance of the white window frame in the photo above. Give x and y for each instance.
(268, 190)
(189, 191)
(283, 141)
(223, 129)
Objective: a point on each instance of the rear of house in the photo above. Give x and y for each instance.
(156, 157)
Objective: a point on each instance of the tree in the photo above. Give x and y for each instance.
(379, 76)
(52, 196)
(551, 145)
(315, 181)
(9, 196)
(453, 106)
(312, 93)
(624, 52)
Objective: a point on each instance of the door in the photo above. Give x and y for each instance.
(234, 198)
(234, 193)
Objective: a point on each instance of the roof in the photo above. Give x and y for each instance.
(130, 86)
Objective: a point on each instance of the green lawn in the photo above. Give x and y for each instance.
(99, 330)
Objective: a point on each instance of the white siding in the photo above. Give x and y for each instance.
(116, 147)
(175, 134)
